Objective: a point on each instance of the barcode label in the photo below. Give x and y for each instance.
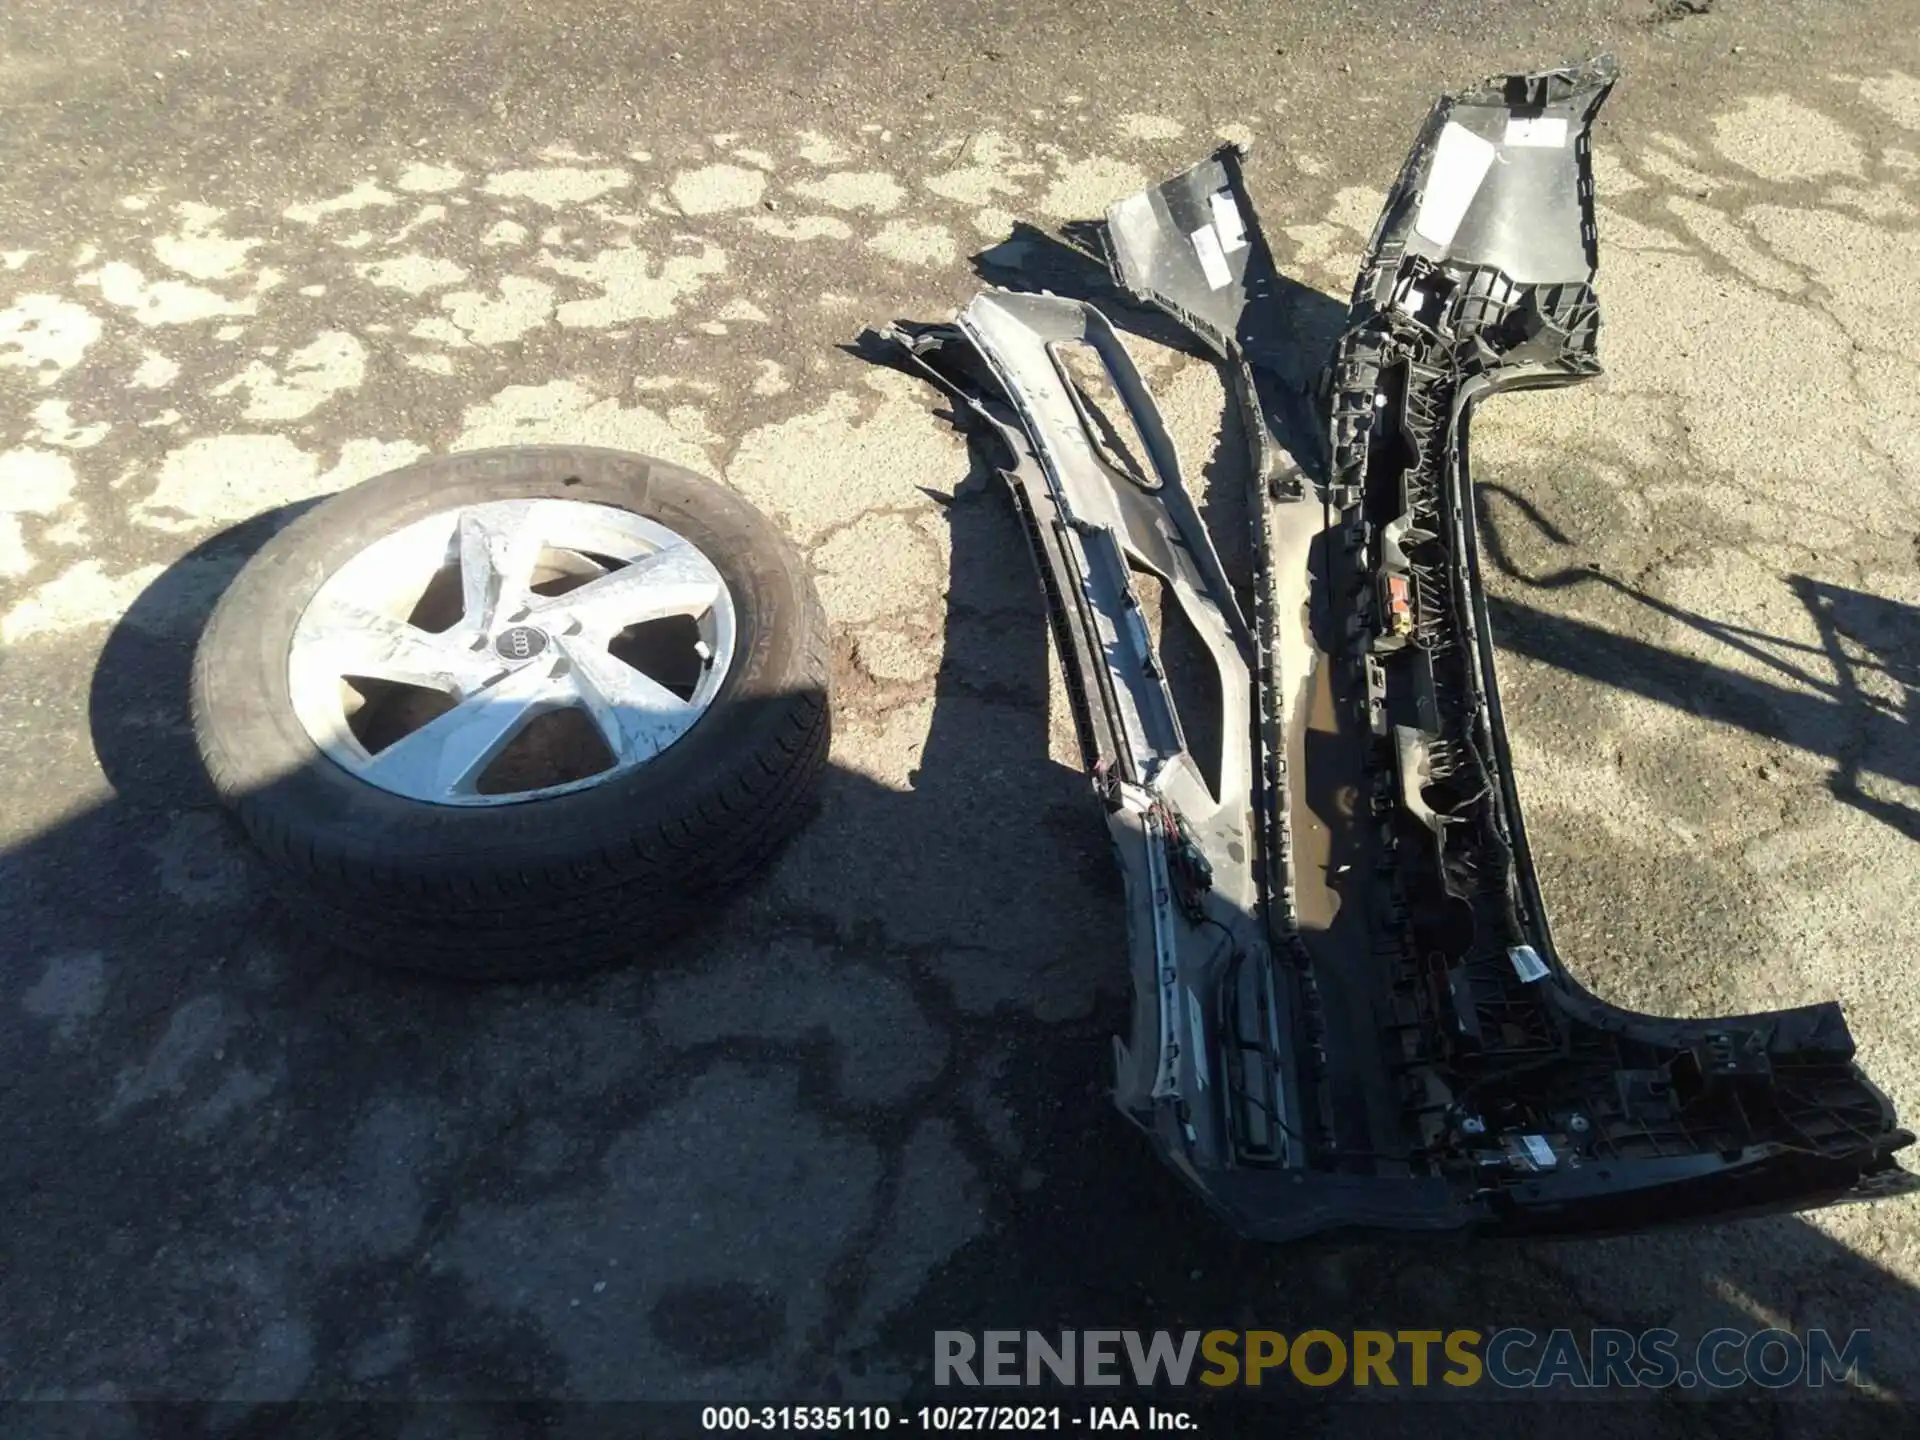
(1527, 964)
(1213, 261)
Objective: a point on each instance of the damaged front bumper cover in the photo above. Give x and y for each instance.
(1348, 1011)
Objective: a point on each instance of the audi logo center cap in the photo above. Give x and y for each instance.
(520, 642)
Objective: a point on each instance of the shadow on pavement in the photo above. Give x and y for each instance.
(1826, 700)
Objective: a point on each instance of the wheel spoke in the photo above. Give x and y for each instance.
(353, 640)
(678, 580)
(637, 715)
(499, 546)
(446, 756)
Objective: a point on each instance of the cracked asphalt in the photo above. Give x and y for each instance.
(248, 258)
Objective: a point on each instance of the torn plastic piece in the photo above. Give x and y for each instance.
(1187, 855)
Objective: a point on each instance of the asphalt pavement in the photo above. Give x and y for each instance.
(250, 255)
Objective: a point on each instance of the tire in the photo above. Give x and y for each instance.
(548, 886)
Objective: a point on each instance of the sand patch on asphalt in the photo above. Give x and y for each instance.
(555, 186)
(1778, 138)
(565, 412)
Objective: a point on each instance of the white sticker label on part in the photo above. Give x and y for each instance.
(1226, 219)
(1213, 260)
(1461, 160)
(1527, 964)
(1539, 1151)
(1546, 131)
